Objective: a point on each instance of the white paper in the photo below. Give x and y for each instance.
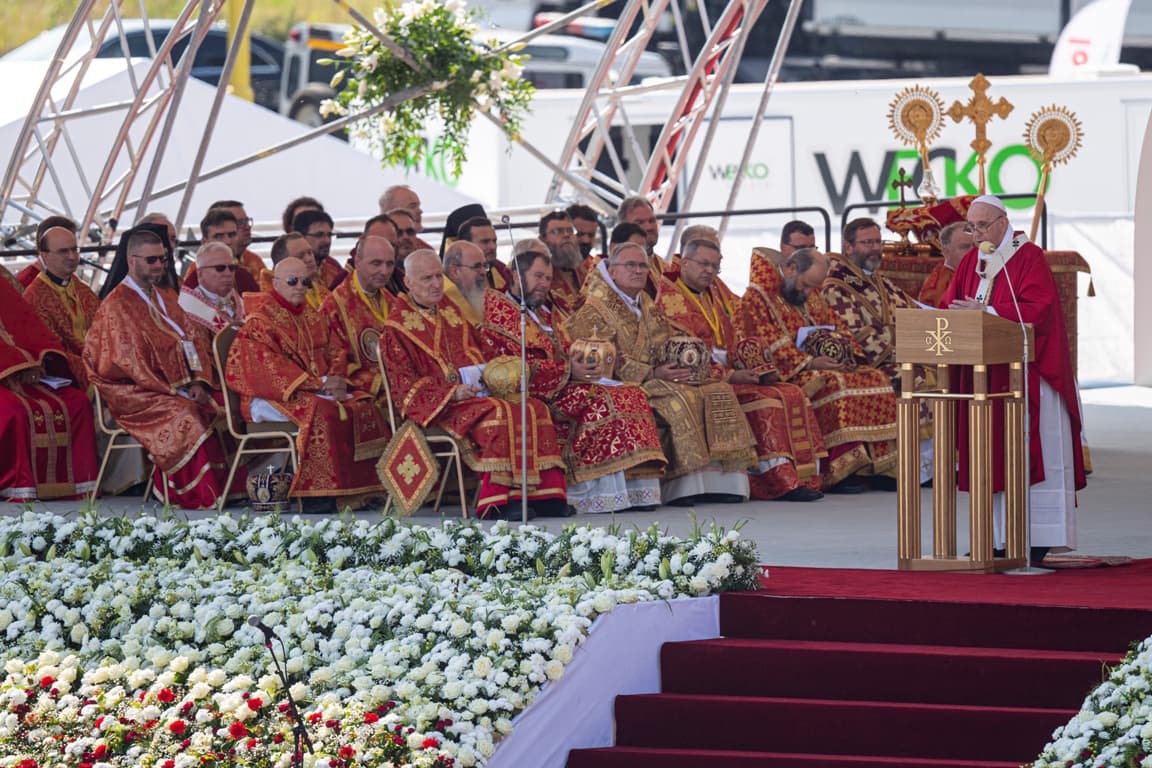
(472, 375)
(608, 382)
(922, 305)
(55, 382)
(807, 330)
(720, 356)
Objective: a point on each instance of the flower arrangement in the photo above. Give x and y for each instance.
(438, 62)
(1114, 725)
(454, 629)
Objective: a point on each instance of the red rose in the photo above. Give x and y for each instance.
(101, 751)
(278, 738)
(252, 744)
(177, 727)
(237, 730)
(346, 752)
(430, 743)
(371, 717)
(315, 717)
(168, 764)
(255, 704)
(166, 696)
(46, 681)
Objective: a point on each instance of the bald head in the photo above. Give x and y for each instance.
(424, 277)
(291, 278)
(375, 261)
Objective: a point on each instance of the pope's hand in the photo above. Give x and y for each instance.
(967, 304)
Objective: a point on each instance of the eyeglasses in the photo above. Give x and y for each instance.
(222, 267)
(410, 232)
(868, 243)
(709, 265)
(244, 222)
(981, 226)
(481, 267)
(561, 231)
(294, 281)
(633, 265)
(152, 259)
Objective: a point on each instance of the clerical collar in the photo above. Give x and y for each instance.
(356, 276)
(62, 282)
(212, 297)
(632, 303)
(294, 309)
(421, 307)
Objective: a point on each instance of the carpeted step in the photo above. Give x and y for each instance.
(760, 615)
(885, 729)
(882, 672)
(649, 757)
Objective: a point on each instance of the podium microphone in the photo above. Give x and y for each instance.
(987, 249)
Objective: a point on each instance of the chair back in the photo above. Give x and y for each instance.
(221, 345)
(104, 420)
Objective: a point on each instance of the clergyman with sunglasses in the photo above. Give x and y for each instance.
(214, 303)
(153, 369)
(1008, 276)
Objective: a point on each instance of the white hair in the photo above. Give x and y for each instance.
(205, 251)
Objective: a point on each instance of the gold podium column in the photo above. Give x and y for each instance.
(908, 467)
(944, 468)
(1015, 456)
(980, 466)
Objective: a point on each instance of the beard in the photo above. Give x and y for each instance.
(565, 255)
(794, 295)
(475, 295)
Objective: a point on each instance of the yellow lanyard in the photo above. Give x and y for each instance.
(378, 306)
(712, 319)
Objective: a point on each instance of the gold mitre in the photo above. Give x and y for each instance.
(502, 377)
(595, 351)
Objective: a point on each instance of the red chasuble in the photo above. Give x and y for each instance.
(604, 429)
(1039, 305)
(282, 355)
(856, 410)
(68, 312)
(779, 414)
(424, 350)
(135, 355)
(356, 322)
(47, 437)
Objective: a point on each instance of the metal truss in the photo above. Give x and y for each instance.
(580, 172)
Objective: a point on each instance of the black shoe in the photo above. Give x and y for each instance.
(318, 505)
(685, 501)
(801, 493)
(642, 508)
(927, 483)
(511, 512)
(550, 508)
(723, 498)
(849, 485)
(882, 483)
(1037, 554)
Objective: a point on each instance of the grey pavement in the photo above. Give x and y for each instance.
(1114, 512)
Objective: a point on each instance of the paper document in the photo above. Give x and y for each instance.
(472, 375)
(55, 382)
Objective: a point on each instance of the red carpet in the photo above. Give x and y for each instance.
(878, 669)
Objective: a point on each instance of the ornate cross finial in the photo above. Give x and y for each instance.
(900, 184)
(980, 110)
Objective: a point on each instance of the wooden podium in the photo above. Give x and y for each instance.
(946, 338)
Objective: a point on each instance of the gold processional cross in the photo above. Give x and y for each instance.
(980, 110)
(900, 184)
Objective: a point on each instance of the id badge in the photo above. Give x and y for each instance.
(192, 356)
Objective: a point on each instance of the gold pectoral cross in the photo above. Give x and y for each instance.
(980, 110)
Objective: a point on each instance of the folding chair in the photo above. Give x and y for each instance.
(443, 446)
(119, 440)
(246, 431)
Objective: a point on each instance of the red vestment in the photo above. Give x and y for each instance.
(865, 303)
(329, 271)
(1039, 300)
(856, 409)
(282, 355)
(604, 429)
(68, 311)
(211, 313)
(47, 437)
(779, 414)
(136, 357)
(356, 322)
(935, 285)
(424, 350)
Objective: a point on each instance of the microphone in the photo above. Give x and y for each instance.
(986, 248)
(269, 633)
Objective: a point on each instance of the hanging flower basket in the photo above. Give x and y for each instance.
(438, 57)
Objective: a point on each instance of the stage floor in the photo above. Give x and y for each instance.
(1114, 516)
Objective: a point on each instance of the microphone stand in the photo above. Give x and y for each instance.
(506, 221)
(300, 738)
(1027, 570)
